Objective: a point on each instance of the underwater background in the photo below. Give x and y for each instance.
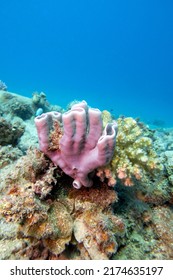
(115, 54)
(78, 183)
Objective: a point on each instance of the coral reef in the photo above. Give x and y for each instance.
(9, 154)
(17, 126)
(39, 99)
(80, 146)
(15, 105)
(10, 132)
(169, 165)
(40, 104)
(126, 214)
(54, 223)
(162, 224)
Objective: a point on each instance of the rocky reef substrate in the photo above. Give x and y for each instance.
(127, 214)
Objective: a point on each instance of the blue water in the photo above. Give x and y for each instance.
(115, 54)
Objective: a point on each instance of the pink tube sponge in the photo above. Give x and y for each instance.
(76, 141)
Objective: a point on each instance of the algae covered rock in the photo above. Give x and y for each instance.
(10, 132)
(96, 234)
(169, 165)
(16, 105)
(49, 213)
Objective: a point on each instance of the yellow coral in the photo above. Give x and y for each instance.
(134, 155)
(107, 118)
